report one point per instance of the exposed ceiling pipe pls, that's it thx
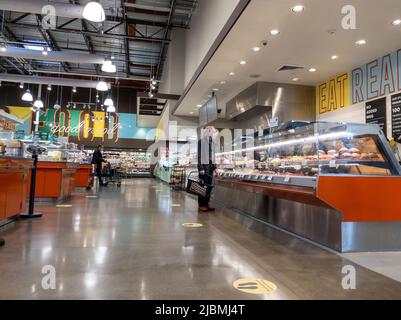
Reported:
(65, 10)
(154, 8)
(6, 77)
(104, 76)
(58, 56)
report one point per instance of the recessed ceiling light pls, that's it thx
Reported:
(274, 32)
(295, 79)
(223, 82)
(360, 42)
(312, 70)
(334, 57)
(396, 22)
(232, 73)
(199, 106)
(243, 62)
(215, 89)
(256, 49)
(298, 9)
(191, 112)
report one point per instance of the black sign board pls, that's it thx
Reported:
(396, 115)
(375, 112)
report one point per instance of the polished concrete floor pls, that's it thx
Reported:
(129, 243)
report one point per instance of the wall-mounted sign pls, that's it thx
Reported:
(334, 94)
(396, 115)
(377, 78)
(375, 113)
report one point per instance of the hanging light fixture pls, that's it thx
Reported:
(38, 104)
(109, 67)
(56, 106)
(21, 85)
(109, 102)
(74, 89)
(27, 96)
(102, 86)
(49, 87)
(111, 109)
(94, 12)
(3, 47)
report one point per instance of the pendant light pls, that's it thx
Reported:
(109, 67)
(111, 109)
(27, 96)
(108, 102)
(38, 104)
(94, 12)
(102, 86)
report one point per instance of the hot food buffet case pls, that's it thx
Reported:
(334, 183)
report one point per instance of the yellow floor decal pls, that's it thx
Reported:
(255, 286)
(176, 205)
(64, 206)
(192, 225)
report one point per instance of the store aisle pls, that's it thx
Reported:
(129, 243)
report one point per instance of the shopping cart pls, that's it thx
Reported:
(113, 176)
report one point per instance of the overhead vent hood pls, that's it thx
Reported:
(264, 100)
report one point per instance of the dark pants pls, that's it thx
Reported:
(99, 173)
(207, 178)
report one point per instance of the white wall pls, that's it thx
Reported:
(172, 81)
(208, 20)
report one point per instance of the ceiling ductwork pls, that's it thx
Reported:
(65, 10)
(57, 56)
(5, 77)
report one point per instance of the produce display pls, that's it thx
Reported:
(129, 163)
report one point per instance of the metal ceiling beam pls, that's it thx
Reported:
(87, 38)
(166, 33)
(51, 42)
(92, 33)
(126, 43)
(9, 35)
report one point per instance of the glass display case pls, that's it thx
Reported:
(299, 156)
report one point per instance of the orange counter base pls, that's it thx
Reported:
(83, 176)
(13, 186)
(345, 213)
(55, 180)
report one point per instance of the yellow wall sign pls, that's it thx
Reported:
(255, 286)
(333, 94)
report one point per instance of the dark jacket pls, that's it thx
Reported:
(97, 157)
(211, 166)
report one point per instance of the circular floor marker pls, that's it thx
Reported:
(64, 205)
(192, 225)
(254, 286)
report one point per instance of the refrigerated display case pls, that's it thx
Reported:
(334, 183)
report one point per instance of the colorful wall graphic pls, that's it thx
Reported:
(378, 78)
(25, 114)
(85, 125)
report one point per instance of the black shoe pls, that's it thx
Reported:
(2, 242)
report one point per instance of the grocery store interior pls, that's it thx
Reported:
(200, 149)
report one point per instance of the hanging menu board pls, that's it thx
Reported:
(375, 113)
(396, 115)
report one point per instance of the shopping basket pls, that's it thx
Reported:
(198, 187)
